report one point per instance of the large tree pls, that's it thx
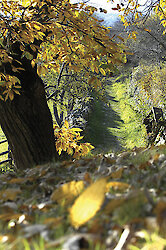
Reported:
(36, 35)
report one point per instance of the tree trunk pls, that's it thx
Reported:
(27, 121)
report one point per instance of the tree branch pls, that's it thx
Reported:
(58, 81)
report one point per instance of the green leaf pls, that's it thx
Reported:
(28, 55)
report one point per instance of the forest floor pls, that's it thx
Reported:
(111, 201)
(103, 202)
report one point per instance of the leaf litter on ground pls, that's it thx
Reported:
(111, 201)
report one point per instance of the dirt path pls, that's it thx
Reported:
(101, 119)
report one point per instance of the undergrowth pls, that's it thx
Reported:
(131, 130)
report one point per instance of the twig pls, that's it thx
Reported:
(123, 238)
(58, 81)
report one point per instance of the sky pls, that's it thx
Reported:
(103, 4)
(111, 15)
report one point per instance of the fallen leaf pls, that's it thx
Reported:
(87, 178)
(10, 216)
(151, 223)
(144, 165)
(19, 180)
(9, 194)
(112, 205)
(7, 238)
(156, 157)
(160, 211)
(88, 203)
(67, 192)
(53, 221)
(117, 174)
(120, 186)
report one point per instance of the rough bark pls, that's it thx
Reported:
(27, 124)
(27, 121)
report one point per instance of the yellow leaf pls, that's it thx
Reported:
(136, 16)
(41, 35)
(26, 3)
(33, 47)
(11, 95)
(66, 124)
(70, 151)
(76, 129)
(120, 186)
(16, 91)
(67, 192)
(22, 48)
(9, 194)
(147, 30)
(37, 27)
(76, 13)
(122, 18)
(33, 63)
(88, 203)
(41, 70)
(102, 71)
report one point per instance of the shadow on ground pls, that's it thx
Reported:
(101, 118)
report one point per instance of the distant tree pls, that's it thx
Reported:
(136, 11)
(143, 41)
(148, 87)
(144, 22)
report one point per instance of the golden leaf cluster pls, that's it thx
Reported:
(10, 86)
(68, 139)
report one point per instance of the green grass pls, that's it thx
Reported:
(3, 146)
(130, 131)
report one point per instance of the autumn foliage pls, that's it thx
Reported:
(37, 36)
(76, 37)
(105, 201)
(132, 11)
(68, 139)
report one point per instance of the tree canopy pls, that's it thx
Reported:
(76, 37)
